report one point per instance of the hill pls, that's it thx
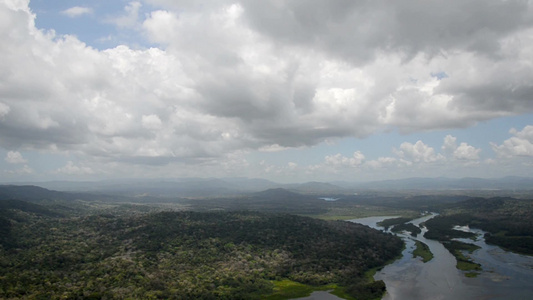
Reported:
(224, 187)
(443, 183)
(272, 200)
(36, 194)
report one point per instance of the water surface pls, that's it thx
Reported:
(320, 295)
(505, 275)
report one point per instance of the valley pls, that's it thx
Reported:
(272, 244)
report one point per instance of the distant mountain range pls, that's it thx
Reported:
(214, 187)
(443, 183)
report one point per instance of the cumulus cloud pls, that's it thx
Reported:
(77, 11)
(461, 152)
(228, 78)
(450, 144)
(521, 144)
(340, 160)
(526, 133)
(160, 25)
(25, 170)
(71, 169)
(387, 162)
(418, 153)
(14, 157)
(422, 154)
(466, 152)
(129, 18)
(420, 159)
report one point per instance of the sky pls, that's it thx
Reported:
(290, 91)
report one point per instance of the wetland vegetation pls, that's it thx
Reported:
(422, 250)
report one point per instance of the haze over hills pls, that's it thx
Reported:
(216, 187)
(444, 183)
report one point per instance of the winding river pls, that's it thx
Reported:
(505, 275)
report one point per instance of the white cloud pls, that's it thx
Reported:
(71, 169)
(418, 153)
(525, 134)
(234, 77)
(461, 152)
(17, 4)
(152, 122)
(466, 152)
(130, 18)
(387, 162)
(340, 160)
(14, 157)
(521, 144)
(25, 170)
(272, 148)
(450, 144)
(77, 11)
(292, 165)
(160, 26)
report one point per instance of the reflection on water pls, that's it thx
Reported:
(372, 221)
(505, 275)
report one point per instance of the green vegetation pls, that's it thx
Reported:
(508, 221)
(422, 250)
(393, 222)
(400, 224)
(409, 227)
(519, 244)
(184, 255)
(463, 262)
(441, 227)
(372, 290)
(288, 289)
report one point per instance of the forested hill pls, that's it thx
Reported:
(187, 255)
(32, 193)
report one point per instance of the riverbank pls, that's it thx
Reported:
(505, 275)
(422, 250)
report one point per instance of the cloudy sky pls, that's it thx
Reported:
(290, 91)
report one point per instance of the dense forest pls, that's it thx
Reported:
(54, 251)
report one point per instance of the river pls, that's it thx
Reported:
(505, 275)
